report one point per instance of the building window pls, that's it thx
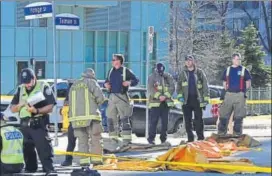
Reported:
(101, 55)
(90, 49)
(21, 22)
(239, 4)
(255, 4)
(113, 44)
(43, 22)
(124, 47)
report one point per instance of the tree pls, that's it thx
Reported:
(227, 45)
(253, 55)
(265, 35)
(222, 7)
(193, 31)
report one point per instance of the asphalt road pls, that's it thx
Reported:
(260, 158)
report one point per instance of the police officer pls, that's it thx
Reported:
(34, 120)
(161, 86)
(11, 148)
(85, 96)
(193, 94)
(236, 80)
(118, 81)
(71, 137)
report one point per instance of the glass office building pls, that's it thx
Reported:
(106, 27)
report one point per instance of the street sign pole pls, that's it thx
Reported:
(45, 10)
(149, 51)
(55, 74)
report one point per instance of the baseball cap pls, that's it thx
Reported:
(26, 75)
(189, 57)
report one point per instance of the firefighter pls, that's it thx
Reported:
(11, 148)
(35, 120)
(118, 81)
(193, 94)
(85, 96)
(236, 80)
(161, 86)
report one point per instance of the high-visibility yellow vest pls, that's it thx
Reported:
(39, 87)
(79, 102)
(12, 145)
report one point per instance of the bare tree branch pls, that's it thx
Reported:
(267, 45)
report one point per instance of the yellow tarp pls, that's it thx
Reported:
(209, 154)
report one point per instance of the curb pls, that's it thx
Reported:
(260, 126)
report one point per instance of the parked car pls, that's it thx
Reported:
(138, 119)
(62, 87)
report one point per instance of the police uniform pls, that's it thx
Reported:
(234, 100)
(193, 93)
(118, 103)
(34, 126)
(159, 84)
(85, 96)
(11, 148)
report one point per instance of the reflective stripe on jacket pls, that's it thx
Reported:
(241, 78)
(203, 93)
(12, 145)
(160, 85)
(39, 87)
(124, 73)
(85, 96)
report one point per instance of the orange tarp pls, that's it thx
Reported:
(201, 152)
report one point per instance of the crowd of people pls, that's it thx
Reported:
(85, 96)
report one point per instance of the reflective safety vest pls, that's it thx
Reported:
(241, 78)
(83, 107)
(161, 89)
(39, 87)
(12, 145)
(202, 93)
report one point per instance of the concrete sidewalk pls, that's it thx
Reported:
(251, 122)
(257, 122)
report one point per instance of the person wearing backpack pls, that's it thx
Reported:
(118, 81)
(193, 94)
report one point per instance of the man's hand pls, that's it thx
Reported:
(107, 85)
(162, 98)
(20, 105)
(126, 83)
(32, 109)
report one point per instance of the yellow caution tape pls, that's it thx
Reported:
(216, 101)
(209, 166)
